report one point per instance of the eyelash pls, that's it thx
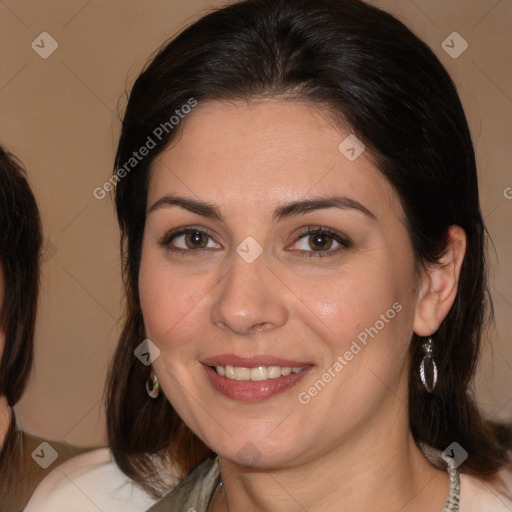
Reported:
(334, 235)
(316, 230)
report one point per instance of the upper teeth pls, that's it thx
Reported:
(257, 373)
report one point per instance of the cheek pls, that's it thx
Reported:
(172, 304)
(162, 301)
(365, 313)
(344, 303)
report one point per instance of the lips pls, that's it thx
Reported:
(253, 379)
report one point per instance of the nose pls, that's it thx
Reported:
(249, 299)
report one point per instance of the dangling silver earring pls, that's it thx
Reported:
(428, 350)
(152, 385)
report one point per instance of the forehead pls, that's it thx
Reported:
(263, 153)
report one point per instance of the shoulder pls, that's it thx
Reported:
(90, 482)
(479, 496)
(47, 454)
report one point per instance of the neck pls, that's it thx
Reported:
(5, 418)
(407, 483)
(377, 466)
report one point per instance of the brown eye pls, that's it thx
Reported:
(189, 240)
(196, 240)
(320, 242)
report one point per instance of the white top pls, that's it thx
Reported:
(92, 482)
(88, 483)
(477, 496)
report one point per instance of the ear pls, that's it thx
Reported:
(439, 285)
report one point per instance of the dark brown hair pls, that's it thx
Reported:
(374, 75)
(20, 250)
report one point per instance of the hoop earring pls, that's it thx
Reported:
(152, 385)
(428, 350)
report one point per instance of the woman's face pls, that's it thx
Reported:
(269, 254)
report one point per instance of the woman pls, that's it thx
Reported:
(304, 267)
(24, 460)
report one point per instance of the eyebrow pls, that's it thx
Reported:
(288, 210)
(301, 207)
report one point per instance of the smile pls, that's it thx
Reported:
(257, 373)
(253, 379)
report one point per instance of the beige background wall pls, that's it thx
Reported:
(59, 115)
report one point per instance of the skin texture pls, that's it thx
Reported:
(248, 159)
